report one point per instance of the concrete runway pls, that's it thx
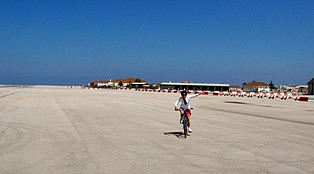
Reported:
(59, 130)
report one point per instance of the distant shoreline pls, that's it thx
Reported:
(39, 85)
(27, 86)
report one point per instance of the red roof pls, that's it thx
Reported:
(256, 84)
(132, 80)
(234, 86)
(100, 81)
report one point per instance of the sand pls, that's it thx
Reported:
(46, 129)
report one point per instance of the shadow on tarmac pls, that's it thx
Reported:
(177, 134)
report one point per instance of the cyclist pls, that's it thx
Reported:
(185, 106)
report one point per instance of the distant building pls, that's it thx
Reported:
(235, 88)
(127, 82)
(302, 89)
(290, 88)
(139, 85)
(311, 87)
(100, 83)
(256, 87)
(115, 83)
(194, 86)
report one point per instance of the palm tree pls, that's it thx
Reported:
(243, 84)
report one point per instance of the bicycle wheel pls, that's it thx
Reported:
(185, 127)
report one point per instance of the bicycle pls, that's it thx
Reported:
(185, 124)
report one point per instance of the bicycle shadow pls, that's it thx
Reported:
(179, 135)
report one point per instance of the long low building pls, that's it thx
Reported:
(116, 83)
(195, 86)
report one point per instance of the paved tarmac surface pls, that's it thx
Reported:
(60, 130)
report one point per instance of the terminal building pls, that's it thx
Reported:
(194, 86)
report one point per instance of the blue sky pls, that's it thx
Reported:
(215, 41)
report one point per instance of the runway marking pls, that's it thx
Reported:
(261, 116)
(10, 94)
(81, 140)
(243, 103)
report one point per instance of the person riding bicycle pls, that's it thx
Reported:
(185, 106)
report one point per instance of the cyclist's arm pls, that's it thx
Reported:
(176, 104)
(194, 95)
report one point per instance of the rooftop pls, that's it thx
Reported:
(256, 84)
(193, 84)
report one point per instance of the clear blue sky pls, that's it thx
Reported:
(218, 41)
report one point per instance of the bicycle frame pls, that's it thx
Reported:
(185, 124)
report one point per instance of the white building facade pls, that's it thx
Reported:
(256, 87)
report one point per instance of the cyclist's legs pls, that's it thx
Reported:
(181, 113)
(189, 119)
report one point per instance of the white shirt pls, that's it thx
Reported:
(187, 99)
